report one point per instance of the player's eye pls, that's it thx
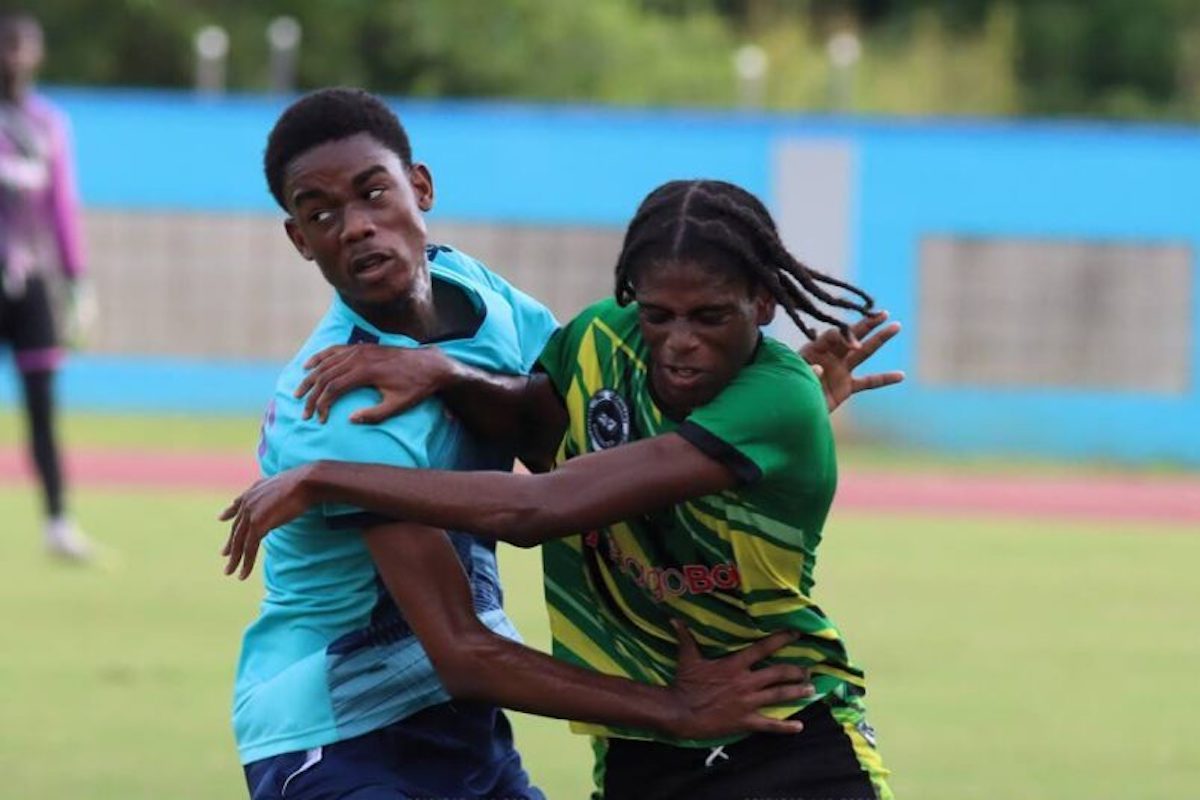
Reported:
(375, 193)
(321, 216)
(653, 316)
(713, 318)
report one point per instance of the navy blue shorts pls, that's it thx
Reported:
(451, 751)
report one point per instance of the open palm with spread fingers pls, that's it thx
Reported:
(834, 358)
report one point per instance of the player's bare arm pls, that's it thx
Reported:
(524, 510)
(519, 411)
(524, 411)
(708, 699)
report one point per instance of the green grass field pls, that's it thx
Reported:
(1007, 659)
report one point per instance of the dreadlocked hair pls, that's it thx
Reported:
(719, 224)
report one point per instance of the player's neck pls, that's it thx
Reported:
(433, 311)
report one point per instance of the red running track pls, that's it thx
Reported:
(1165, 499)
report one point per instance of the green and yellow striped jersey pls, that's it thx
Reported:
(735, 567)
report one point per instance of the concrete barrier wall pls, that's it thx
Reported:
(213, 285)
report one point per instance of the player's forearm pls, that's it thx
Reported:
(426, 579)
(520, 411)
(587, 492)
(508, 674)
(502, 507)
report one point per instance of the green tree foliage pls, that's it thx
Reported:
(1078, 57)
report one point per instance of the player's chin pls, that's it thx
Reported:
(693, 397)
(376, 293)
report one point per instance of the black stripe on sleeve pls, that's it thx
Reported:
(704, 440)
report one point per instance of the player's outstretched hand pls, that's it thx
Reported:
(724, 696)
(266, 505)
(834, 358)
(404, 377)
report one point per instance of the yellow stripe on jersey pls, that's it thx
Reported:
(589, 367)
(618, 344)
(853, 722)
(763, 565)
(702, 616)
(630, 615)
(575, 640)
(849, 677)
(575, 405)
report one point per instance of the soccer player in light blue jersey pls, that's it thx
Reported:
(381, 653)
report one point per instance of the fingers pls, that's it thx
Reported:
(249, 557)
(328, 352)
(763, 724)
(305, 385)
(782, 674)
(688, 649)
(832, 342)
(333, 382)
(870, 346)
(818, 370)
(332, 361)
(233, 547)
(765, 647)
(385, 409)
(231, 511)
(868, 323)
(779, 695)
(876, 381)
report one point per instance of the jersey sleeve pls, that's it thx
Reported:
(770, 421)
(534, 322)
(560, 356)
(397, 443)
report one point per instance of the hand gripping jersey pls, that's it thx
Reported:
(330, 657)
(735, 567)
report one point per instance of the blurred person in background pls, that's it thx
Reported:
(39, 249)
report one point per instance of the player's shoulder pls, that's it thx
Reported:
(609, 315)
(337, 326)
(777, 372)
(445, 259)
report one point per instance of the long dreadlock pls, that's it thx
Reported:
(720, 224)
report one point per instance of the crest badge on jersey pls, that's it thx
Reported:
(607, 420)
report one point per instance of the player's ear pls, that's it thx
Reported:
(764, 306)
(421, 181)
(297, 236)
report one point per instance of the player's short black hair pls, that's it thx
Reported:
(327, 115)
(722, 226)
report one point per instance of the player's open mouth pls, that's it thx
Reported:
(370, 266)
(682, 377)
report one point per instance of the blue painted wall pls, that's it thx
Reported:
(583, 165)
(1030, 182)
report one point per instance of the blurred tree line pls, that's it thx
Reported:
(1112, 58)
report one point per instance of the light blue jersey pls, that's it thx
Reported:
(330, 657)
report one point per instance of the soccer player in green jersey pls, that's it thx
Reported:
(693, 468)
